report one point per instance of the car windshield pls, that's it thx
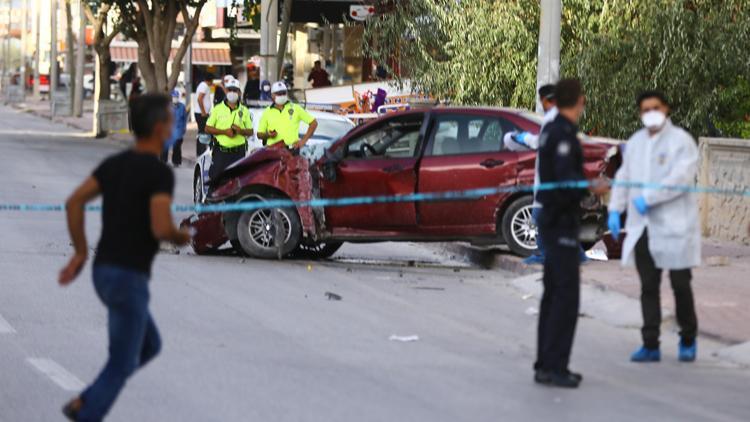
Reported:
(329, 129)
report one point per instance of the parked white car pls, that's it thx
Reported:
(331, 127)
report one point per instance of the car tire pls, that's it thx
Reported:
(518, 227)
(197, 189)
(323, 250)
(256, 232)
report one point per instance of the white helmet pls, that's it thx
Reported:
(232, 83)
(278, 87)
(228, 78)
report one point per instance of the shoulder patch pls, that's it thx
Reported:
(563, 148)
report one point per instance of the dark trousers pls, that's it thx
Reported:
(176, 153)
(201, 121)
(558, 313)
(651, 297)
(133, 337)
(220, 160)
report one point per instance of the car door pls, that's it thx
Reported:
(380, 161)
(465, 151)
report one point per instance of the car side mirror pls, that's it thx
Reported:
(329, 170)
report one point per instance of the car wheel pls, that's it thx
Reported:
(197, 190)
(269, 233)
(319, 251)
(518, 227)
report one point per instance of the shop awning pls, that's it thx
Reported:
(216, 54)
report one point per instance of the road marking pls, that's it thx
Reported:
(5, 327)
(59, 375)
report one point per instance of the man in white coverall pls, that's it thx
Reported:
(662, 224)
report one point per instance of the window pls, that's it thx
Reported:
(466, 134)
(394, 139)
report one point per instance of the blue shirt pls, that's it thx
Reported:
(180, 121)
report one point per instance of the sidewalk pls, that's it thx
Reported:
(721, 288)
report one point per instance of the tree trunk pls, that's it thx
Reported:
(103, 71)
(286, 17)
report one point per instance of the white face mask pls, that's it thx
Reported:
(233, 97)
(175, 100)
(282, 99)
(267, 88)
(653, 119)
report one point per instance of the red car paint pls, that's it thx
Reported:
(279, 173)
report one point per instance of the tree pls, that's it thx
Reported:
(97, 12)
(152, 25)
(484, 52)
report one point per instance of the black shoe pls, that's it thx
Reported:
(575, 375)
(71, 409)
(557, 379)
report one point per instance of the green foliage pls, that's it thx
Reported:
(484, 52)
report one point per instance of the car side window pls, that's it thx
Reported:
(467, 134)
(393, 139)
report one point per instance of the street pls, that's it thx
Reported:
(249, 340)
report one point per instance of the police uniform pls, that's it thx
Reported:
(285, 122)
(560, 159)
(229, 149)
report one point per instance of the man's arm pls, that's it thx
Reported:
(263, 133)
(162, 225)
(214, 131)
(74, 208)
(313, 126)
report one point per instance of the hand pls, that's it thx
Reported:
(204, 114)
(521, 137)
(229, 132)
(614, 225)
(599, 186)
(272, 134)
(237, 129)
(71, 271)
(640, 204)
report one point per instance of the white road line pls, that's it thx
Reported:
(5, 327)
(57, 374)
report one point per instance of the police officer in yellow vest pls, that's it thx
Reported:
(231, 124)
(280, 121)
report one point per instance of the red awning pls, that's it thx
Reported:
(201, 55)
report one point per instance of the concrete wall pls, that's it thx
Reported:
(725, 163)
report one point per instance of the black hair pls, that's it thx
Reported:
(547, 92)
(568, 92)
(208, 76)
(146, 111)
(645, 95)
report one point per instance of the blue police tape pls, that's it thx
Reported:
(385, 199)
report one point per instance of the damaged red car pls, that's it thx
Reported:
(420, 151)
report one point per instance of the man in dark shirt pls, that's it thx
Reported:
(252, 86)
(561, 160)
(319, 76)
(136, 189)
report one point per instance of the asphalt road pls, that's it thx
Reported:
(249, 340)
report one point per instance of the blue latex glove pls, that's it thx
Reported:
(641, 205)
(614, 224)
(521, 138)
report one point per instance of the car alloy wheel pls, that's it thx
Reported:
(523, 228)
(263, 229)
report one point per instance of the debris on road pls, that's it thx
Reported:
(309, 268)
(597, 255)
(527, 296)
(429, 288)
(333, 296)
(717, 261)
(404, 339)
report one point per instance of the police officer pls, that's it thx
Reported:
(231, 124)
(279, 124)
(561, 160)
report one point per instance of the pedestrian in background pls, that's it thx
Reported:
(561, 160)
(252, 86)
(319, 76)
(202, 108)
(174, 143)
(136, 190)
(662, 224)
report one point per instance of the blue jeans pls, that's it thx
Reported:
(133, 337)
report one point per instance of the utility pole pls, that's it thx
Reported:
(269, 28)
(548, 70)
(38, 43)
(24, 42)
(53, 49)
(80, 61)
